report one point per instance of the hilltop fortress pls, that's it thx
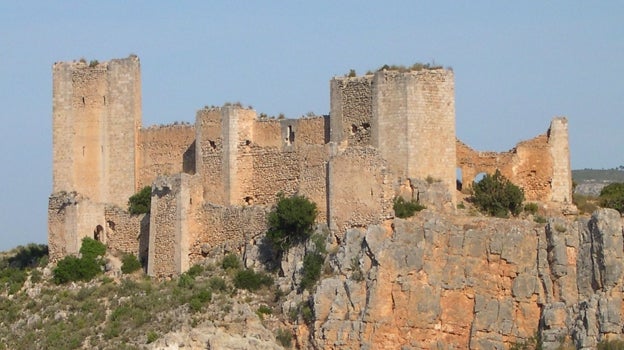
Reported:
(389, 133)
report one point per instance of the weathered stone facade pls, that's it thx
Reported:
(214, 182)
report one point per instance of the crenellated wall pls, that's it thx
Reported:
(165, 150)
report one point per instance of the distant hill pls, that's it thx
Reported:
(599, 175)
(589, 182)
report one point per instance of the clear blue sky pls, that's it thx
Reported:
(517, 64)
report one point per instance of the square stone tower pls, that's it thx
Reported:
(96, 120)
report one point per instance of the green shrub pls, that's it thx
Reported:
(71, 269)
(217, 284)
(93, 63)
(151, 337)
(85, 268)
(130, 263)
(91, 248)
(195, 270)
(291, 221)
(612, 196)
(231, 261)
(531, 208)
(307, 313)
(312, 264)
(404, 209)
(497, 196)
(13, 278)
(186, 281)
(540, 219)
(140, 202)
(284, 337)
(352, 73)
(250, 280)
(560, 228)
(199, 299)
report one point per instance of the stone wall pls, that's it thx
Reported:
(209, 160)
(174, 200)
(165, 150)
(360, 189)
(126, 233)
(71, 217)
(351, 110)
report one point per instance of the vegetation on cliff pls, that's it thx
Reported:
(140, 202)
(495, 195)
(291, 221)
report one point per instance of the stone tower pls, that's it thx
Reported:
(409, 116)
(96, 120)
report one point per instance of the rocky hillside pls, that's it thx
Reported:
(430, 281)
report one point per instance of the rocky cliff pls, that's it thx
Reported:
(437, 281)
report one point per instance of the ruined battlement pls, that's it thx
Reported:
(213, 181)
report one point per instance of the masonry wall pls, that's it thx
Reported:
(413, 123)
(360, 189)
(96, 116)
(174, 200)
(351, 109)
(71, 217)
(218, 229)
(209, 160)
(165, 150)
(127, 233)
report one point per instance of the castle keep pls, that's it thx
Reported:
(214, 181)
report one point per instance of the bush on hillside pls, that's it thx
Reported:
(140, 202)
(250, 280)
(130, 263)
(495, 195)
(404, 209)
(85, 268)
(91, 248)
(291, 221)
(612, 196)
(72, 268)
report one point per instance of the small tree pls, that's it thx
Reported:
(612, 196)
(291, 221)
(140, 202)
(497, 196)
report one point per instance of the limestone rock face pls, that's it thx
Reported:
(435, 281)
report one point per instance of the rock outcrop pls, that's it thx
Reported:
(437, 281)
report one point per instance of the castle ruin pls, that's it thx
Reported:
(213, 182)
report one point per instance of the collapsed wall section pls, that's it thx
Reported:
(71, 217)
(540, 166)
(165, 150)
